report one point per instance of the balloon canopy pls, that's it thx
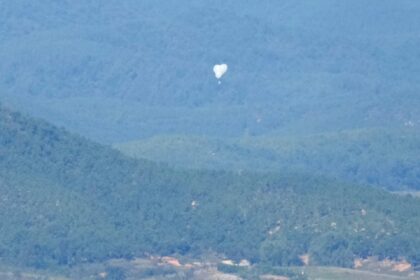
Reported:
(220, 70)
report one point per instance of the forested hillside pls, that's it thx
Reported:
(66, 200)
(120, 149)
(325, 87)
(122, 71)
(377, 157)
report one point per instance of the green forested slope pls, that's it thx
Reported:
(121, 71)
(66, 200)
(379, 157)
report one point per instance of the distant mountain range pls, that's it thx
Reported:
(119, 72)
(379, 157)
(322, 87)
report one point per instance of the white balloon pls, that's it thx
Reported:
(220, 70)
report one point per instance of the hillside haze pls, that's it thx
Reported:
(122, 71)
